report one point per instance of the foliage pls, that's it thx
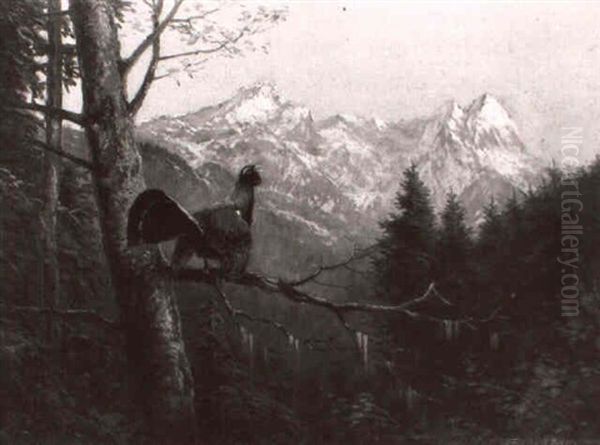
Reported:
(20, 30)
(405, 265)
(509, 371)
(454, 249)
(20, 26)
(522, 384)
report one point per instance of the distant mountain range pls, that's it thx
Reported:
(337, 177)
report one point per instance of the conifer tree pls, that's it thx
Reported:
(490, 232)
(490, 246)
(517, 246)
(18, 71)
(454, 249)
(35, 65)
(536, 243)
(588, 183)
(405, 266)
(404, 269)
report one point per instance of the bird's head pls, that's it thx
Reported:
(249, 175)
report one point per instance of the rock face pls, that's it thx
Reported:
(476, 152)
(331, 180)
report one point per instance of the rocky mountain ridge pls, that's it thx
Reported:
(337, 176)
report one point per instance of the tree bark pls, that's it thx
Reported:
(149, 315)
(51, 289)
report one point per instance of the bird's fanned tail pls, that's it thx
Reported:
(155, 217)
(221, 234)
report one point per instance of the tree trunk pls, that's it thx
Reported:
(51, 290)
(145, 295)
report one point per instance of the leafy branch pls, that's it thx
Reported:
(127, 63)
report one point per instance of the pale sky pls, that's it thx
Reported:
(399, 60)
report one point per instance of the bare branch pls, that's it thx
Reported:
(292, 293)
(71, 214)
(286, 289)
(68, 48)
(291, 290)
(149, 77)
(70, 157)
(187, 67)
(345, 324)
(357, 271)
(39, 66)
(65, 48)
(192, 18)
(442, 298)
(55, 13)
(81, 314)
(357, 255)
(331, 285)
(235, 313)
(214, 49)
(238, 313)
(76, 118)
(128, 63)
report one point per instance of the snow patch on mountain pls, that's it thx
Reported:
(487, 112)
(350, 167)
(461, 146)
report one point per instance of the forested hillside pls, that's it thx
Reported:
(494, 357)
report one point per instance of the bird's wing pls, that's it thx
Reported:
(225, 229)
(155, 217)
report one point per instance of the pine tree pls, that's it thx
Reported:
(406, 263)
(21, 40)
(19, 79)
(34, 66)
(405, 269)
(454, 249)
(516, 247)
(490, 246)
(491, 231)
(589, 186)
(536, 243)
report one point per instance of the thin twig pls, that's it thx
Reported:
(76, 118)
(70, 157)
(238, 313)
(81, 314)
(325, 268)
(149, 76)
(128, 63)
(214, 49)
(193, 18)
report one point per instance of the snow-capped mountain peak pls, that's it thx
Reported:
(451, 110)
(487, 111)
(463, 146)
(257, 103)
(347, 165)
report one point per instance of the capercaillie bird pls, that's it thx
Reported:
(222, 233)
